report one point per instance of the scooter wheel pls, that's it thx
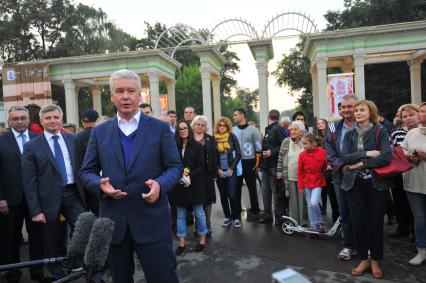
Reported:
(287, 227)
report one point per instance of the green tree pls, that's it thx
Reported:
(293, 71)
(188, 89)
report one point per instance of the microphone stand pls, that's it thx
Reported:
(31, 263)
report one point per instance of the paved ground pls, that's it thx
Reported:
(253, 252)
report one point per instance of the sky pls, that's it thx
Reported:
(130, 16)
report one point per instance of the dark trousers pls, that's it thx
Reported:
(228, 196)
(54, 233)
(345, 219)
(367, 206)
(157, 260)
(10, 236)
(328, 191)
(403, 214)
(250, 177)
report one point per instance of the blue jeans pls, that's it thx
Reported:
(199, 215)
(345, 220)
(418, 208)
(313, 197)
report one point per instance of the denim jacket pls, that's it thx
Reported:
(352, 155)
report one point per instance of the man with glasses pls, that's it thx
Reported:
(13, 209)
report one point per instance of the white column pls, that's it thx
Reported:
(416, 81)
(323, 101)
(359, 76)
(216, 100)
(71, 102)
(315, 100)
(97, 101)
(154, 93)
(207, 100)
(262, 72)
(171, 97)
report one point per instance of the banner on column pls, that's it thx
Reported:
(339, 85)
(145, 96)
(26, 84)
(164, 104)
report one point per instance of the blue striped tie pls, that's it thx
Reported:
(60, 160)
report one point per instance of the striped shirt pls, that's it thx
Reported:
(398, 136)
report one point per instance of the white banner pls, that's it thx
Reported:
(339, 85)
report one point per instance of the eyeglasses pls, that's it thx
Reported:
(221, 125)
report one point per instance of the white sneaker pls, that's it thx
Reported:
(346, 254)
(226, 222)
(237, 223)
(419, 258)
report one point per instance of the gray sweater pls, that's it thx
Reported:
(250, 141)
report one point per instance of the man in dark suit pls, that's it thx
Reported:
(88, 121)
(139, 164)
(50, 182)
(13, 209)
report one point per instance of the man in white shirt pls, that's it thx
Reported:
(50, 181)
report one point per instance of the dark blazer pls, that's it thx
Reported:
(332, 148)
(274, 136)
(82, 140)
(196, 192)
(211, 167)
(154, 156)
(11, 188)
(42, 180)
(352, 155)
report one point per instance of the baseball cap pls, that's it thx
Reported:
(90, 115)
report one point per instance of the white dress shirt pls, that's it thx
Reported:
(65, 153)
(128, 127)
(19, 139)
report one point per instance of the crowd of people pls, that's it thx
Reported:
(153, 177)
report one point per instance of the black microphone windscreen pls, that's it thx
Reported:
(83, 227)
(98, 247)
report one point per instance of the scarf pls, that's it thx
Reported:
(361, 132)
(222, 142)
(296, 140)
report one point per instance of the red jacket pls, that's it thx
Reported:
(310, 168)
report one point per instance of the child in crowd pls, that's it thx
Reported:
(312, 162)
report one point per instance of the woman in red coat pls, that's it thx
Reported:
(311, 163)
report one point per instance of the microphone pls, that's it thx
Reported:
(75, 249)
(83, 227)
(96, 252)
(97, 249)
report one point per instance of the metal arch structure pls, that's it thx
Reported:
(229, 28)
(184, 36)
(289, 21)
(176, 36)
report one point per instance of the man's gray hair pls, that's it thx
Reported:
(298, 124)
(124, 74)
(349, 97)
(18, 108)
(285, 119)
(202, 118)
(50, 108)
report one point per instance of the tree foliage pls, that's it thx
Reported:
(293, 71)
